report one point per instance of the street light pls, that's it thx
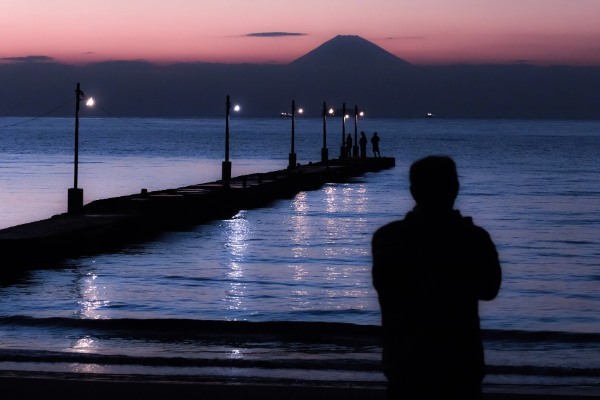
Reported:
(356, 115)
(226, 166)
(292, 157)
(75, 194)
(343, 151)
(324, 150)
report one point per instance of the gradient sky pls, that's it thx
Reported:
(277, 31)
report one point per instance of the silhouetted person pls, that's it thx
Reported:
(430, 270)
(349, 145)
(363, 145)
(375, 143)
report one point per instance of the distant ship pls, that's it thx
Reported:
(430, 115)
(285, 114)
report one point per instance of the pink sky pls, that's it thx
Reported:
(419, 31)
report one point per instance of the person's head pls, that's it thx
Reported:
(434, 182)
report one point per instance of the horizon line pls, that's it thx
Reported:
(47, 60)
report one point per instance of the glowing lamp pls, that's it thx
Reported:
(356, 115)
(75, 194)
(292, 156)
(226, 165)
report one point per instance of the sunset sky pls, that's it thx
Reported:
(270, 31)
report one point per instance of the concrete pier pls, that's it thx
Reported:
(104, 225)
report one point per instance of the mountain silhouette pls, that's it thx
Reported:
(348, 50)
(345, 69)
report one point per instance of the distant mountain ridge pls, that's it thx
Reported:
(345, 69)
(348, 50)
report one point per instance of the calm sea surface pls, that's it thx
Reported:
(534, 185)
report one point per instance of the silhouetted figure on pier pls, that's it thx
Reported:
(375, 143)
(430, 270)
(349, 146)
(363, 145)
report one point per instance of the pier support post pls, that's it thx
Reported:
(75, 194)
(355, 147)
(343, 150)
(324, 150)
(292, 157)
(75, 201)
(226, 166)
(292, 160)
(226, 170)
(324, 155)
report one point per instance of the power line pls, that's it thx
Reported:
(35, 118)
(128, 120)
(108, 112)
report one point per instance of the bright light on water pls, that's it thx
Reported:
(532, 184)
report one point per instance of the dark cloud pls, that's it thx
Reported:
(406, 38)
(274, 34)
(28, 59)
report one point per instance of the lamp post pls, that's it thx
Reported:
(343, 151)
(292, 157)
(356, 115)
(75, 194)
(324, 150)
(226, 165)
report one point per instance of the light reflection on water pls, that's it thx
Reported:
(531, 184)
(84, 345)
(93, 298)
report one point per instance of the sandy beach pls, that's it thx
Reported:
(17, 385)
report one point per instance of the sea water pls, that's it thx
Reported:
(534, 185)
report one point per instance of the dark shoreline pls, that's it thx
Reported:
(96, 386)
(345, 348)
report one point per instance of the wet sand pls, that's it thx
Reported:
(64, 387)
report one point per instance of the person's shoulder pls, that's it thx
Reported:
(475, 230)
(390, 229)
(393, 225)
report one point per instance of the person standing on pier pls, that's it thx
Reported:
(363, 145)
(375, 143)
(430, 271)
(349, 146)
